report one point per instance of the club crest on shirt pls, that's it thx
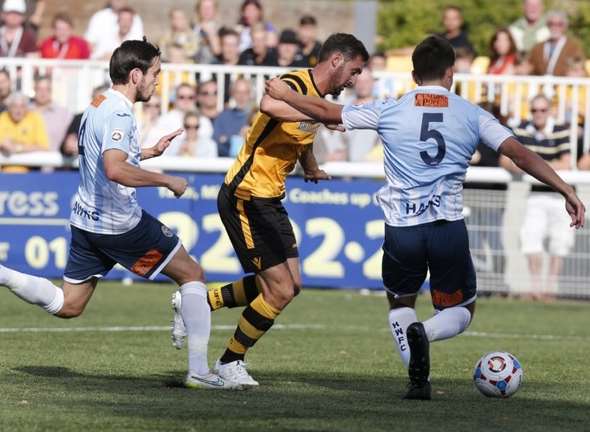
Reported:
(117, 135)
(167, 231)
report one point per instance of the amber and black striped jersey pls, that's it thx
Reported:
(272, 148)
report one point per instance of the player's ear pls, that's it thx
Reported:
(135, 76)
(448, 78)
(416, 78)
(337, 59)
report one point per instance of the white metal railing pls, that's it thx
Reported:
(337, 169)
(74, 80)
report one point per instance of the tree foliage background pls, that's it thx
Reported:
(404, 23)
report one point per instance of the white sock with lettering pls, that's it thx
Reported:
(196, 315)
(399, 320)
(447, 323)
(33, 289)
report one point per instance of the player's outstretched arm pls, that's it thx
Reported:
(280, 110)
(315, 107)
(534, 165)
(118, 170)
(160, 146)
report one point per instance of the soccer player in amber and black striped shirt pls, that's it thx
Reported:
(250, 205)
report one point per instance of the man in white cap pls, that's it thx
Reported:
(16, 40)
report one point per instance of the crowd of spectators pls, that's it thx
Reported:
(210, 132)
(536, 43)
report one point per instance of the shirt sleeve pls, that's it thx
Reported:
(117, 132)
(491, 132)
(362, 116)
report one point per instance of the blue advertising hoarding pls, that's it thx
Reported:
(337, 223)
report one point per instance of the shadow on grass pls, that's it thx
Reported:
(308, 401)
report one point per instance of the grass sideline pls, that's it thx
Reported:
(332, 367)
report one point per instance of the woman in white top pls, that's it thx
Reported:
(192, 145)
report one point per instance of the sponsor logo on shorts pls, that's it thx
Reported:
(442, 299)
(167, 231)
(147, 262)
(117, 135)
(257, 262)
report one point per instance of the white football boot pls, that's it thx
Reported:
(236, 372)
(178, 329)
(209, 381)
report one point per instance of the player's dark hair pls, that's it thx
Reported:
(432, 57)
(132, 54)
(344, 43)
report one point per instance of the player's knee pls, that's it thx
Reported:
(69, 311)
(282, 297)
(192, 272)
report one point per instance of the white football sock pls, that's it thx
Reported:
(399, 320)
(196, 315)
(447, 323)
(33, 289)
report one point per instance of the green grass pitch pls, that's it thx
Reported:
(329, 366)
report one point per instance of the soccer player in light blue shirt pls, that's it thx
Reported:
(108, 225)
(429, 136)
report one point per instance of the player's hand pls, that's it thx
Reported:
(316, 175)
(164, 143)
(336, 127)
(277, 89)
(576, 210)
(177, 185)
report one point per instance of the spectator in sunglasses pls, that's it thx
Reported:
(193, 145)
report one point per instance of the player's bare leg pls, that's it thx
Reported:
(76, 297)
(196, 315)
(279, 286)
(68, 301)
(236, 294)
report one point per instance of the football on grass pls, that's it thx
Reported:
(498, 374)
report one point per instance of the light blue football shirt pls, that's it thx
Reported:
(100, 205)
(429, 136)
